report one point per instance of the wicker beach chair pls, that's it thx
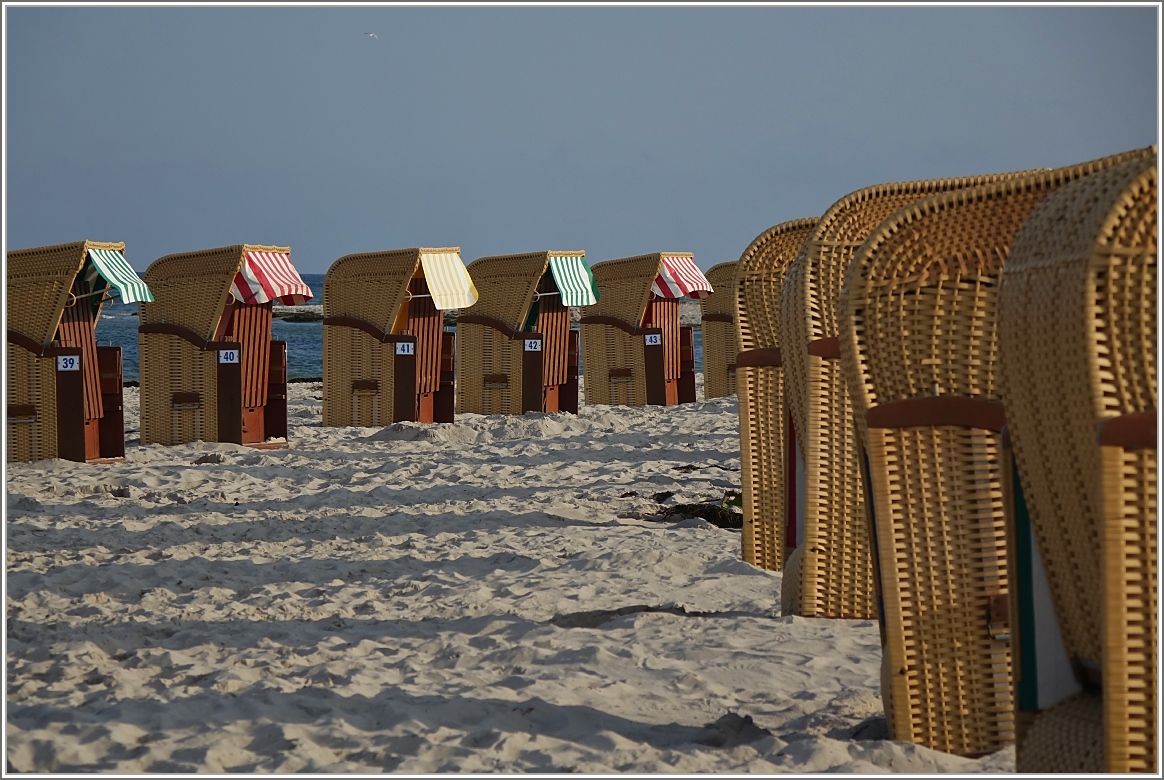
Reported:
(386, 355)
(719, 332)
(918, 342)
(518, 352)
(1078, 343)
(65, 392)
(830, 573)
(209, 368)
(634, 350)
(767, 454)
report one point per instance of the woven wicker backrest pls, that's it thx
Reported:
(763, 413)
(507, 283)
(624, 287)
(1078, 342)
(370, 286)
(918, 326)
(760, 279)
(1069, 362)
(190, 289)
(837, 565)
(722, 301)
(38, 284)
(919, 303)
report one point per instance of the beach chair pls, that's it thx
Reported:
(634, 350)
(210, 370)
(1078, 342)
(830, 572)
(64, 391)
(386, 355)
(518, 352)
(767, 454)
(717, 321)
(918, 341)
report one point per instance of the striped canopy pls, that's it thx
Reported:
(574, 280)
(269, 276)
(111, 266)
(448, 281)
(679, 276)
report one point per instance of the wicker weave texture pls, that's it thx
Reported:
(624, 287)
(373, 287)
(760, 391)
(606, 348)
(351, 356)
(191, 290)
(1066, 739)
(942, 543)
(1131, 595)
(487, 354)
(506, 285)
(38, 282)
(1078, 343)
(838, 563)
(719, 335)
(919, 320)
(172, 365)
(32, 380)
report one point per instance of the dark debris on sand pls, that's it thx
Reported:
(711, 511)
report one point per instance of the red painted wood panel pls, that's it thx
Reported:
(554, 325)
(425, 322)
(251, 328)
(663, 313)
(76, 330)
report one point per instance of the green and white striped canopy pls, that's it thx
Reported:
(110, 264)
(574, 279)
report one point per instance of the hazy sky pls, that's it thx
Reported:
(618, 130)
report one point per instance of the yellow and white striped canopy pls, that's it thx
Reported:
(448, 281)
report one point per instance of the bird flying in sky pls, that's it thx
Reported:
(374, 35)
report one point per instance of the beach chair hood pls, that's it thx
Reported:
(628, 283)
(510, 284)
(372, 286)
(40, 280)
(191, 289)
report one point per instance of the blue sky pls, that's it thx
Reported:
(616, 130)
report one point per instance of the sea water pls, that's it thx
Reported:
(118, 327)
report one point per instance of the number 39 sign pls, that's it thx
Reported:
(68, 363)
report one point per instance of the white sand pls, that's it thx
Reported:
(412, 599)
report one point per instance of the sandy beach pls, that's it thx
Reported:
(502, 594)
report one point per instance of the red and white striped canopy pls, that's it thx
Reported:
(679, 276)
(269, 276)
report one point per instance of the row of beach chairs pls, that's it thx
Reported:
(947, 400)
(210, 369)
